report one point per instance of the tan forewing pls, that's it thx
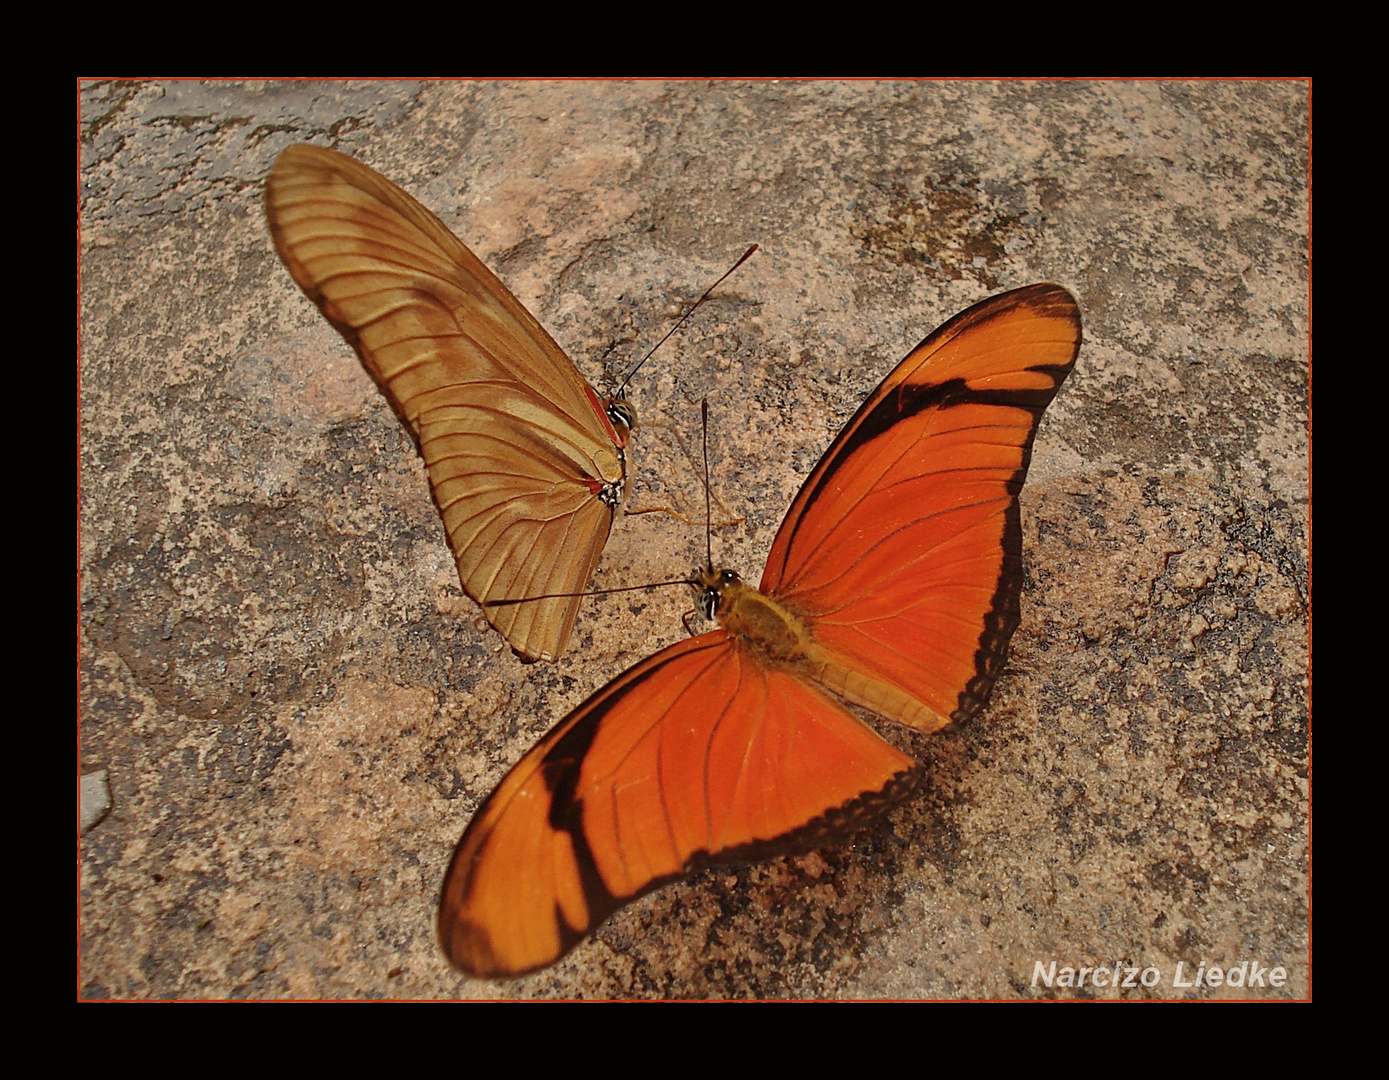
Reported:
(515, 442)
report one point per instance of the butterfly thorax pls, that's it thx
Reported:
(752, 616)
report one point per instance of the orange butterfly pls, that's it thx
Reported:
(526, 465)
(893, 582)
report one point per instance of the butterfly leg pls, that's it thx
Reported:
(682, 517)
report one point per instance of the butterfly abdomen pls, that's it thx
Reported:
(873, 694)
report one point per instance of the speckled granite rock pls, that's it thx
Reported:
(299, 711)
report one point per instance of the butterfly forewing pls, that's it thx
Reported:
(699, 755)
(516, 444)
(903, 548)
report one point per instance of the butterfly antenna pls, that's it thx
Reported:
(681, 321)
(569, 595)
(708, 518)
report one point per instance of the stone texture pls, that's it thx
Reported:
(299, 712)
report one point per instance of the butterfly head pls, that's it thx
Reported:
(714, 590)
(622, 417)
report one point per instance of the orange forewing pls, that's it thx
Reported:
(904, 547)
(899, 563)
(524, 464)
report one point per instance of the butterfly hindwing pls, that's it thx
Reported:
(699, 755)
(903, 548)
(517, 446)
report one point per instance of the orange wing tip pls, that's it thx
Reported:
(475, 950)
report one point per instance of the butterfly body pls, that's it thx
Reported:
(893, 583)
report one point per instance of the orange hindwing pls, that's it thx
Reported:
(698, 755)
